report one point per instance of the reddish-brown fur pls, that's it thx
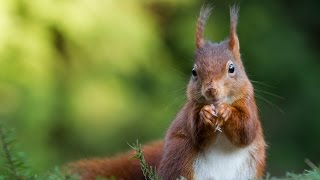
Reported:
(122, 166)
(193, 129)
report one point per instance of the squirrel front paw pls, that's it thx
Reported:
(209, 117)
(224, 111)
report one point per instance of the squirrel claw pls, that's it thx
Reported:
(224, 111)
(218, 128)
(209, 116)
(214, 113)
(205, 119)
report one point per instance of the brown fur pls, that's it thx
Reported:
(122, 166)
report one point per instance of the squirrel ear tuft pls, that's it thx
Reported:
(234, 45)
(204, 15)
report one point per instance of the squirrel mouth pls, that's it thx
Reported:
(212, 100)
(205, 100)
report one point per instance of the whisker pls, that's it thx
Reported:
(181, 74)
(179, 90)
(271, 94)
(169, 105)
(198, 95)
(182, 86)
(270, 103)
(262, 83)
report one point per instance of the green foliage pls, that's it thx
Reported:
(55, 174)
(307, 175)
(13, 164)
(149, 172)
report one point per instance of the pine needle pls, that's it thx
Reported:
(149, 172)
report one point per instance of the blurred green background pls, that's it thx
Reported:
(81, 78)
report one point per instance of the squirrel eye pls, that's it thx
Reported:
(231, 68)
(194, 72)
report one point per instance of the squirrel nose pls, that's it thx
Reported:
(212, 91)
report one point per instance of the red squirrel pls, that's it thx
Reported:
(216, 135)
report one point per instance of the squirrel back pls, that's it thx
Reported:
(217, 134)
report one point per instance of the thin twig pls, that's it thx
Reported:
(311, 164)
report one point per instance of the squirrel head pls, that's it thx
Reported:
(218, 75)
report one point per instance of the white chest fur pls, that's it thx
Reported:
(222, 160)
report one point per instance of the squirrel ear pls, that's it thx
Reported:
(204, 15)
(234, 45)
